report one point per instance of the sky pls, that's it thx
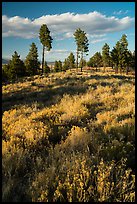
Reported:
(103, 22)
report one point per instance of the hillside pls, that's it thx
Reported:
(69, 137)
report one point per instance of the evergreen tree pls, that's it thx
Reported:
(46, 40)
(32, 64)
(65, 65)
(115, 53)
(60, 65)
(6, 73)
(105, 55)
(82, 44)
(82, 63)
(97, 58)
(133, 61)
(123, 53)
(56, 66)
(71, 60)
(91, 62)
(16, 67)
(121, 56)
(127, 61)
(77, 39)
(46, 68)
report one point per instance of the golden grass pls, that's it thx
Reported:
(66, 134)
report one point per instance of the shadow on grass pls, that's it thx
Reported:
(46, 97)
(123, 77)
(50, 94)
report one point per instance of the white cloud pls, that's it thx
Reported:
(98, 40)
(18, 26)
(64, 25)
(120, 12)
(59, 54)
(60, 51)
(96, 36)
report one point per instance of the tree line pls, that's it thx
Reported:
(119, 58)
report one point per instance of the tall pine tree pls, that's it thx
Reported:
(46, 41)
(115, 54)
(105, 55)
(124, 54)
(82, 44)
(121, 56)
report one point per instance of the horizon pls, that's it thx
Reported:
(103, 23)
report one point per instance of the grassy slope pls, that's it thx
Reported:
(69, 137)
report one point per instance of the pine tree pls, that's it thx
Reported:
(32, 64)
(56, 66)
(105, 55)
(133, 61)
(71, 60)
(82, 63)
(91, 62)
(124, 54)
(127, 61)
(65, 65)
(97, 60)
(115, 54)
(82, 44)
(6, 73)
(46, 41)
(46, 68)
(60, 65)
(77, 39)
(16, 67)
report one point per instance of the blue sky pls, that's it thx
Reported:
(104, 22)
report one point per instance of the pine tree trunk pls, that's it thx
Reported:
(43, 59)
(82, 61)
(116, 69)
(104, 66)
(77, 61)
(120, 69)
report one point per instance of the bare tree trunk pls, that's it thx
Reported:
(116, 69)
(82, 61)
(127, 70)
(43, 59)
(77, 61)
(120, 69)
(104, 67)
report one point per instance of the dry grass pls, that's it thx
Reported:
(69, 137)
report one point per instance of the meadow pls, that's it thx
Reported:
(69, 137)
